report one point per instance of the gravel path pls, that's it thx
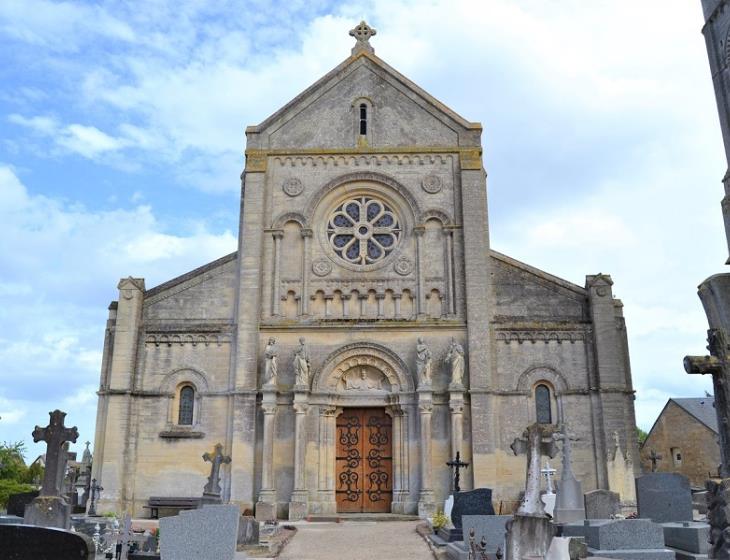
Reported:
(357, 540)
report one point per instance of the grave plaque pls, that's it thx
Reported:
(209, 532)
(28, 542)
(601, 504)
(473, 502)
(664, 497)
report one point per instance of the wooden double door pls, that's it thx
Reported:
(364, 461)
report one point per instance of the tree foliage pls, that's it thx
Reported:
(641, 435)
(15, 475)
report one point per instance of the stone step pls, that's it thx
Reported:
(342, 517)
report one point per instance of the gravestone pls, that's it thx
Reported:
(601, 504)
(49, 509)
(28, 542)
(248, 530)
(17, 502)
(209, 532)
(473, 502)
(530, 531)
(639, 539)
(490, 527)
(688, 539)
(664, 497)
(212, 490)
(569, 506)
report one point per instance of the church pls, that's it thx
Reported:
(363, 333)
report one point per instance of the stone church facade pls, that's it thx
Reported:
(364, 331)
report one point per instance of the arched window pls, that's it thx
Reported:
(542, 404)
(187, 402)
(363, 119)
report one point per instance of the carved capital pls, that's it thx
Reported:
(269, 408)
(301, 408)
(327, 411)
(306, 232)
(277, 233)
(425, 408)
(456, 408)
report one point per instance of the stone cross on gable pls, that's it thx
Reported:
(216, 459)
(537, 440)
(362, 33)
(55, 435)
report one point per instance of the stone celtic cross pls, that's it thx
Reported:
(216, 459)
(362, 33)
(456, 465)
(537, 440)
(55, 435)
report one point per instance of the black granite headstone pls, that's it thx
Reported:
(28, 542)
(473, 502)
(17, 502)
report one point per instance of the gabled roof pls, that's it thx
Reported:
(701, 408)
(338, 73)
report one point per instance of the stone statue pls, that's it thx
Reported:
(301, 364)
(455, 357)
(271, 356)
(423, 363)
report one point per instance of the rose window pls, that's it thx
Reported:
(363, 230)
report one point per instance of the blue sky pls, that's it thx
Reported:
(122, 132)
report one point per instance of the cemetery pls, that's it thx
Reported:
(224, 433)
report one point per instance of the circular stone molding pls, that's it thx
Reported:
(321, 267)
(403, 266)
(293, 186)
(431, 183)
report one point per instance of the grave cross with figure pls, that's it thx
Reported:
(456, 465)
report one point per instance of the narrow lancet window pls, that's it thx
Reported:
(542, 404)
(363, 119)
(187, 398)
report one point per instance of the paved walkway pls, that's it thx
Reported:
(357, 540)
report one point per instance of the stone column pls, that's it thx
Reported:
(450, 288)
(380, 298)
(363, 299)
(276, 276)
(327, 434)
(425, 499)
(266, 505)
(396, 301)
(420, 256)
(456, 405)
(299, 497)
(345, 305)
(400, 461)
(306, 236)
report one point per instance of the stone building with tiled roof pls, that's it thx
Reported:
(684, 438)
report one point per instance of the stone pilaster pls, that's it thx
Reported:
(266, 505)
(299, 497)
(327, 448)
(426, 506)
(420, 289)
(276, 276)
(456, 406)
(307, 238)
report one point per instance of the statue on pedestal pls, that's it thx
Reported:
(271, 357)
(301, 364)
(455, 358)
(423, 363)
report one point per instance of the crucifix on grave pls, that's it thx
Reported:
(212, 490)
(716, 364)
(456, 465)
(654, 457)
(55, 435)
(536, 441)
(94, 491)
(49, 509)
